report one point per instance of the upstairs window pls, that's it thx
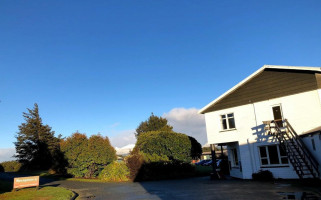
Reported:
(227, 121)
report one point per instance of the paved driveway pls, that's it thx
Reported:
(193, 188)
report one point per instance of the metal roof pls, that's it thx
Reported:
(280, 67)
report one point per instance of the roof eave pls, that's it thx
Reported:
(315, 69)
(203, 110)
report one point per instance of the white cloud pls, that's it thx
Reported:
(6, 154)
(188, 121)
(123, 138)
(183, 120)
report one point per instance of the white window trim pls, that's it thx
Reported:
(227, 122)
(268, 157)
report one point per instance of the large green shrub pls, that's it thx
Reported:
(175, 146)
(115, 172)
(11, 166)
(87, 157)
(1, 168)
(169, 145)
(144, 166)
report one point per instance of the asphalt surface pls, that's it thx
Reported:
(193, 188)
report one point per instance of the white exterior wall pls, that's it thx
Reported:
(317, 152)
(302, 110)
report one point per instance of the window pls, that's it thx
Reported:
(273, 155)
(235, 160)
(227, 121)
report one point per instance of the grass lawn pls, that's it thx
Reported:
(93, 180)
(45, 193)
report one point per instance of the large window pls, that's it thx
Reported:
(227, 121)
(273, 155)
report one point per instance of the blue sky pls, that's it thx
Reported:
(104, 66)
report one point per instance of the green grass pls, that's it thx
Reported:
(91, 180)
(46, 193)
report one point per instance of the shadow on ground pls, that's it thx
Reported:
(190, 188)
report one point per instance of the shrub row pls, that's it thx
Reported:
(144, 167)
(115, 172)
(10, 166)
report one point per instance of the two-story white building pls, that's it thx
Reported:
(270, 121)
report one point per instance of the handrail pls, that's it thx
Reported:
(293, 157)
(313, 161)
(304, 152)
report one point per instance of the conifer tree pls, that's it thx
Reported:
(154, 123)
(36, 143)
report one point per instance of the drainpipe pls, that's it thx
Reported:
(249, 144)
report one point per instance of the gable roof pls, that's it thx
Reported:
(255, 74)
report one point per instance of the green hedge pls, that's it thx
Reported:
(115, 172)
(145, 167)
(175, 146)
(11, 166)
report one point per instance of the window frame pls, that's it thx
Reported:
(267, 157)
(226, 118)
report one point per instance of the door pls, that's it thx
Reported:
(277, 115)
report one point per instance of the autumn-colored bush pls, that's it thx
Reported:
(115, 171)
(87, 157)
(134, 162)
(11, 166)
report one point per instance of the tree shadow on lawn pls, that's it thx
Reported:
(6, 180)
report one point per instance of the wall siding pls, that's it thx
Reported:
(268, 85)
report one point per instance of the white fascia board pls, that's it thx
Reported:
(303, 68)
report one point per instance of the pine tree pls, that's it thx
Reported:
(36, 143)
(154, 123)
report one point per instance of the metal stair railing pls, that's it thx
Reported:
(295, 148)
(307, 154)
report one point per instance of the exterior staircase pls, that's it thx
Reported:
(303, 162)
